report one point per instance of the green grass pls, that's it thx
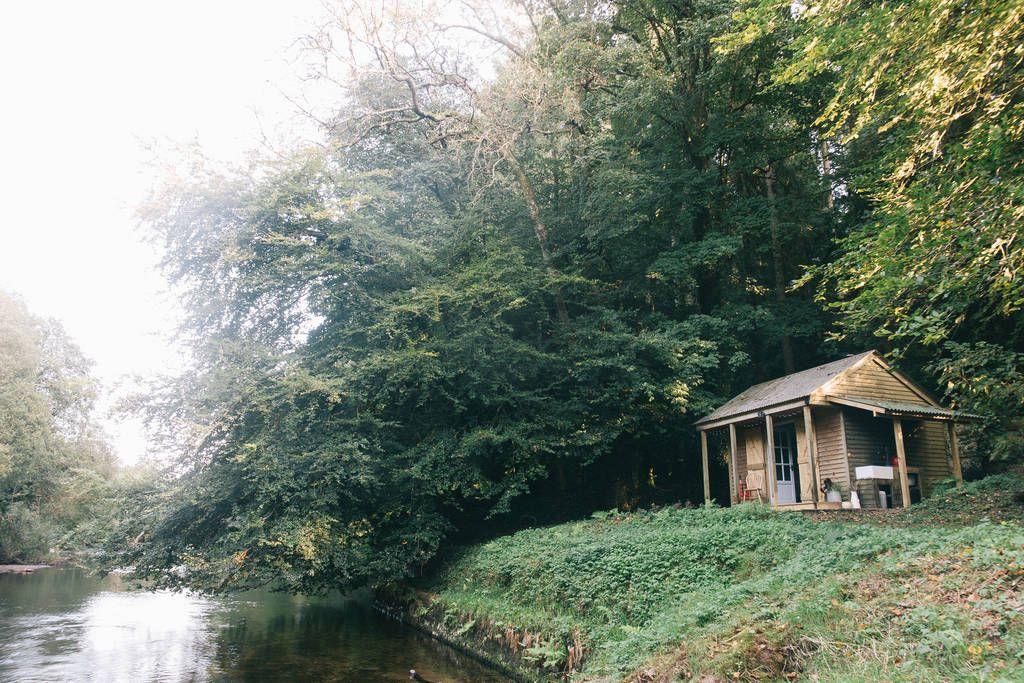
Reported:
(745, 593)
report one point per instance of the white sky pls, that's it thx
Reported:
(84, 85)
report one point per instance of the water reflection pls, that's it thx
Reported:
(62, 625)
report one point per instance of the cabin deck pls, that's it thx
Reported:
(822, 505)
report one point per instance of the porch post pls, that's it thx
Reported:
(901, 457)
(954, 453)
(769, 459)
(704, 465)
(733, 483)
(812, 452)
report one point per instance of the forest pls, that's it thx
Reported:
(534, 244)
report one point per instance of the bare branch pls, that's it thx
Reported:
(512, 47)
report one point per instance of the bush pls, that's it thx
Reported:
(25, 536)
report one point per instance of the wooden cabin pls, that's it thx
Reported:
(856, 424)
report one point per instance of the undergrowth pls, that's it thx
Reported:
(745, 593)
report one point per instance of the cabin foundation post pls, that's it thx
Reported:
(954, 453)
(704, 465)
(812, 453)
(733, 483)
(769, 459)
(901, 460)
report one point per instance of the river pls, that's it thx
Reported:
(64, 625)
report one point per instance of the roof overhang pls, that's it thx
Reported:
(919, 412)
(752, 414)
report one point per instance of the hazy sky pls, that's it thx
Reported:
(86, 87)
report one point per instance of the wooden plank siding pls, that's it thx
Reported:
(847, 438)
(828, 428)
(870, 442)
(750, 456)
(803, 460)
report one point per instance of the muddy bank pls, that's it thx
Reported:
(21, 568)
(512, 651)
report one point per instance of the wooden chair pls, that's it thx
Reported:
(752, 486)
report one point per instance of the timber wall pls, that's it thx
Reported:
(828, 428)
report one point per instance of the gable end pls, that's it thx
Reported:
(873, 378)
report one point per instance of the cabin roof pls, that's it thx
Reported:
(788, 388)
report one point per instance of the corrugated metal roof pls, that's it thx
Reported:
(896, 407)
(789, 388)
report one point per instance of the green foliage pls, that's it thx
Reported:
(25, 536)
(53, 462)
(633, 581)
(391, 354)
(624, 569)
(988, 379)
(929, 100)
(748, 590)
(996, 498)
(920, 104)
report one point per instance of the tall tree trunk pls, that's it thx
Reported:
(636, 477)
(708, 281)
(826, 171)
(777, 265)
(539, 229)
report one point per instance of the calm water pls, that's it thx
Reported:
(62, 625)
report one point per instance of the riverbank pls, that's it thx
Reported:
(936, 592)
(495, 651)
(21, 568)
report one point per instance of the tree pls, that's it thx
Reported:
(50, 447)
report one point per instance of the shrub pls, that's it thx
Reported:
(25, 536)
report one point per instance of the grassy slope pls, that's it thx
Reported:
(933, 593)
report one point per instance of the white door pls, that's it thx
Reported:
(785, 463)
